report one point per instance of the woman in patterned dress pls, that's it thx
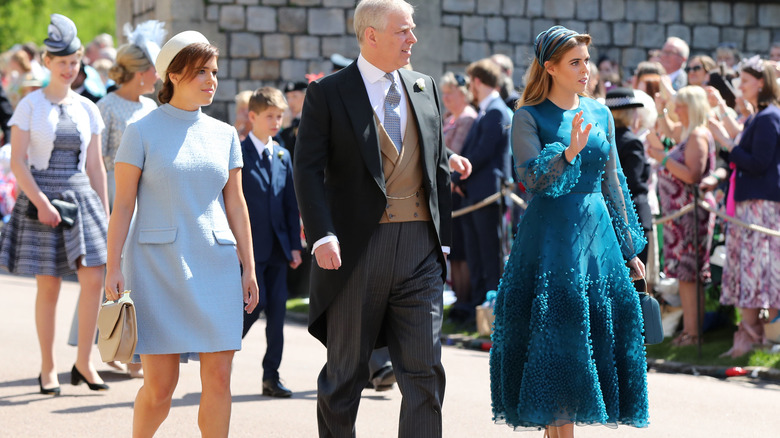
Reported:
(55, 154)
(679, 175)
(135, 75)
(751, 275)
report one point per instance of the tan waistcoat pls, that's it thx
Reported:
(406, 199)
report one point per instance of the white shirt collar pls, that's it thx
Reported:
(673, 75)
(370, 72)
(377, 87)
(483, 104)
(260, 145)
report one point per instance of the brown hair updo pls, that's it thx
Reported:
(186, 63)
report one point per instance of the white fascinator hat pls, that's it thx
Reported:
(174, 46)
(148, 36)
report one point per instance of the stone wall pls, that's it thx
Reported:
(267, 42)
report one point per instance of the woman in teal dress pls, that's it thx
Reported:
(567, 343)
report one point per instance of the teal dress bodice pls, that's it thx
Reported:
(567, 342)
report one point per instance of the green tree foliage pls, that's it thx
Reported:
(27, 20)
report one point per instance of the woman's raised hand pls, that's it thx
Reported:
(579, 137)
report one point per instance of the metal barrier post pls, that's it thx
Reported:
(698, 279)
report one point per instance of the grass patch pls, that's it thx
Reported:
(298, 305)
(715, 343)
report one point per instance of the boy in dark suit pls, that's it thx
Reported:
(276, 230)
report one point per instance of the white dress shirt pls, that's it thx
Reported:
(377, 87)
(483, 104)
(260, 145)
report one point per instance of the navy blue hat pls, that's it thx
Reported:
(295, 86)
(62, 40)
(622, 98)
(339, 61)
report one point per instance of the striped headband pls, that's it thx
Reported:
(547, 42)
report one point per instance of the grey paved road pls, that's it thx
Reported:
(681, 405)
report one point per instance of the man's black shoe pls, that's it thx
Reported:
(383, 379)
(274, 388)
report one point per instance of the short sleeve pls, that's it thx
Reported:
(105, 114)
(236, 159)
(131, 149)
(96, 124)
(22, 116)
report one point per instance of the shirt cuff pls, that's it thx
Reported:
(323, 241)
(445, 250)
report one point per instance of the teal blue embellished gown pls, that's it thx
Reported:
(567, 340)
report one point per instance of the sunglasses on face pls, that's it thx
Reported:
(693, 68)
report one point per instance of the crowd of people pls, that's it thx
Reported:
(205, 215)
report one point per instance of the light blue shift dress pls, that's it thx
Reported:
(180, 256)
(567, 341)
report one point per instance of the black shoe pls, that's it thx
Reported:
(383, 379)
(274, 388)
(48, 391)
(457, 317)
(76, 378)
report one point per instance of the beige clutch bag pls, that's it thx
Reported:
(117, 334)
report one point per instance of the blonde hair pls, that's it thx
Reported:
(695, 99)
(266, 97)
(538, 81)
(242, 99)
(79, 52)
(450, 80)
(374, 13)
(624, 117)
(23, 59)
(130, 59)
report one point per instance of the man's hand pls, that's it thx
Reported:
(328, 255)
(296, 258)
(461, 165)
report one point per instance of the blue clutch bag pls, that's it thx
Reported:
(651, 314)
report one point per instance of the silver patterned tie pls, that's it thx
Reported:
(392, 121)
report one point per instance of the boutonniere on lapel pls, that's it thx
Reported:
(419, 85)
(280, 154)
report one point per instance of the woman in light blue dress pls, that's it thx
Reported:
(183, 169)
(568, 346)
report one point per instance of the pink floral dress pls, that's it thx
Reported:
(680, 260)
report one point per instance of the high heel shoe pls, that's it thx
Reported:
(76, 378)
(48, 391)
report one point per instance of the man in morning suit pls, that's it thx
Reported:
(487, 147)
(372, 179)
(276, 229)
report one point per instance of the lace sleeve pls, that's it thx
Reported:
(542, 169)
(621, 209)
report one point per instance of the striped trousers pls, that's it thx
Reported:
(396, 290)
